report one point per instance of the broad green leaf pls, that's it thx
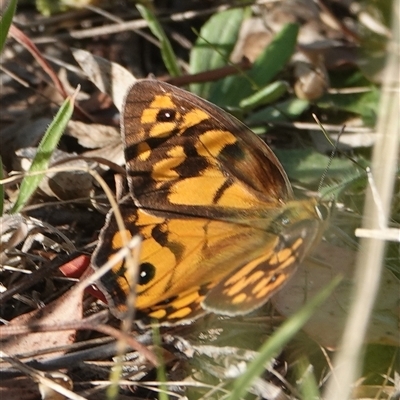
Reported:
(6, 21)
(364, 104)
(216, 41)
(167, 53)
(285, 111)
(231, 90)
(308, 166)
(266, 95)
(45, 149)
(348, 78)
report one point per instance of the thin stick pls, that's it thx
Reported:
(370, 257)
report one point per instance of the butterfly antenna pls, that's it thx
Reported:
(333, 152)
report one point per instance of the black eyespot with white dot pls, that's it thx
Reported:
(166, 115)
(147, 273)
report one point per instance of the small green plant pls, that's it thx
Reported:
(6, 21)
(45, 149)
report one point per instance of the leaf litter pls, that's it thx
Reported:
(28, 247)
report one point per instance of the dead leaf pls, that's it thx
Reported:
(49, 393)
(19, 388)
(106, 140)
(63, 184)
(109, 77)
(312, 79)
(66, 308)
(93, 136)
(76, 267)
(253, 38)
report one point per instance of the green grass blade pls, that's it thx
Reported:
(306, 380)
(286, 110)
(167, 53)
(5, 22)
(266, 95)
(364, 104)
(161, 373)
(276, 342)
(45, 149)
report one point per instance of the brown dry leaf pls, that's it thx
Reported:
(26, 231)
(49, 393)
(319, 35)
(19, 388)
(14, 229)
(65, 309)
(312, 79)
(326, 326)
(106, 140)
(64, 184)
(96, 102)
(373, 392)
(109, 77)
(53, 385)
(93, 136)
(253, 38)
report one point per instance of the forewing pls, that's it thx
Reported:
(188, 156)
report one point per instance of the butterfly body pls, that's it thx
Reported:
(213, 205)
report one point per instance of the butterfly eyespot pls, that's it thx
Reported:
(146, 274)
(166, 115)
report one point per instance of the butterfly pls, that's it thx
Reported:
(220, 227)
